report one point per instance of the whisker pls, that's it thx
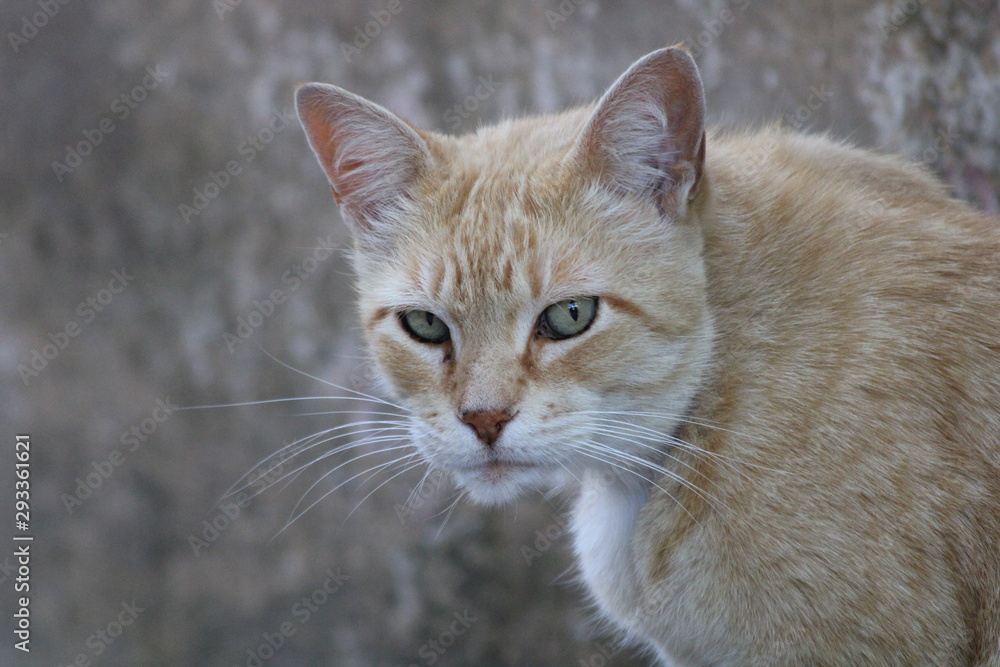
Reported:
(684, 419)
(620, 433)
(625, 456)
(566, 468)
(242, 404)
(302, 447)
(234, 488)
(295, 517)
(418, 489)
(367, 440)
(328, 383)
(341, 412)
(406, 469)
(347, 462)
(618, 429)
(451, 508)
(677, 441)
(592, 455)
(619, 436)
(295, 474)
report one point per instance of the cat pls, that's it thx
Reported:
(766, 364)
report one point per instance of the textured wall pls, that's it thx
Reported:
(152, 140)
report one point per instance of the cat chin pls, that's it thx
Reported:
(499, 486)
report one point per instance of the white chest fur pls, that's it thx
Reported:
(603, 524)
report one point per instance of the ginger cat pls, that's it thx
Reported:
(767, 365)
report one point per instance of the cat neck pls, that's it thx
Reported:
(603, 525)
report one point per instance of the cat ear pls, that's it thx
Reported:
(368, 153)
(647, 133)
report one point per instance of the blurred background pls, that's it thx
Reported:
(167, 239)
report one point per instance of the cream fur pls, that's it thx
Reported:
(816, 324)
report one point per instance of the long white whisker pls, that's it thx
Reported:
(342, 412)
(385, 425)
(677, 441)
(619, 436)
(566, 468)
(418, 489)
(347, 462)
(684, 419)
(625, 456)
(367, 440)
(592, 455)
(371, 439)
(619, 430)
(296, 517)
(242, 404)
(451, 508)
(628, 435)
(370, 493)
(234, 488)
(328, 383)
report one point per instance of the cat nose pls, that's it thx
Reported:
(487, 423)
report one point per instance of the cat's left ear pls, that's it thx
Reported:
(646, 135)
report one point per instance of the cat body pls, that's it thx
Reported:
(859, 377)
(766, 365)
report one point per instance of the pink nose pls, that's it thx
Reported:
(487, 424)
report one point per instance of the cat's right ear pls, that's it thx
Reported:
(646, 135)
(369, 154)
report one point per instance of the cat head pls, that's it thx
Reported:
(533, 293)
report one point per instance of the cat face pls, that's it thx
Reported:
(526, 289)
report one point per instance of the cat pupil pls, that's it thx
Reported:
(574, 310)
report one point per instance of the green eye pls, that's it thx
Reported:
(425, 326)
(567, 318)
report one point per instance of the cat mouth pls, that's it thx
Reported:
(494, 470)
(497, 464)
(496, 481)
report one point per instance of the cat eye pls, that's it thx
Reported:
(568, 318)
(425, 326)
